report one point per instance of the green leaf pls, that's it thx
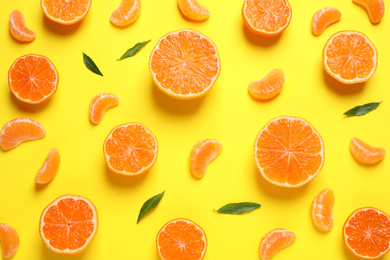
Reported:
(91, 65)
(133, 51)
(238, 208)
(362, 110)
(149, 205)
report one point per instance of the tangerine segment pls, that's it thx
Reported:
(193, 10)
(65, 12)
(289, 152)
(49, 167)
(266, 18)
(274, 241)
(181, 239)
(350, 57)
(185, 64)
(9, 239)
(364, 153)
(68, 224)
(202, 154)
(99, 104)
(130, 149)
(18, 28)
(19, 130)
(127, 13)
(33, 78)
(366, 233)
(374, 8)
(322, 210)
(323, 18)
(267, 87)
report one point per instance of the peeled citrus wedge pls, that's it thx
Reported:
(9, 239)
(322, 210)
(202, 154)
(18, 28)
(193, 10)
(374, 8)
(323, 18)
(267, 87)
(99, 104)
(127, 13)
(274, 241)
(49, 167)
(364, 153)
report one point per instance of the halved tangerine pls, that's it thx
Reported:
(65, 12)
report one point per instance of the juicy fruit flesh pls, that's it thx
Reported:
(374, 8)
(66, 11)
(49, 167)
(365, 153)
(322, 210)
(269, 86)
(99, 104)
(323, 18)
(202, 154)
(9, 239)
(18, 28)
(193, 10)
(274, 241)
(127, 12)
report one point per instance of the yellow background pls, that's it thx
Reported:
(227, 113)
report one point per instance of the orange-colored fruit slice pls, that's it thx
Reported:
(366, 233)
(18, 28)
(99, 104)
(202, 154)
(322, 210)
(130, 149)
(266, 18)
(323, 18)
(267, 87)
(364, 153)
(33, 78)
(289, 152)
(181, 239)
(127, 13)
(19, 130)
(185, 64)
(274, 241)
(49, 167)
(9, 239)
(193, 10)
(65, 12)
(68, 224)
(374, 8)
(350, 57)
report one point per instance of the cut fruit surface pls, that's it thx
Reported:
(9, 239)
(181, 239)
(289, 152)
(49, 167)
(65, 12)
(202, 154)
(193, 10)
(366, 233)
(374, 8)
(323, 18)
(274, 241)
(68, 224)
(365, 153)
(266, 18)
(18, 28)
(184, 64)
(99, 104)
(350, 57)
(267, 87)
(127, 13)
(33, 78)
(322, 210)
(19, 130)
(130, 149)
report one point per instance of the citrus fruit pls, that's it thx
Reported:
(33, 78)
(274, 241)
(350, 57)
(181, 239)
(323, 18)
(193, 10)
(202, 154)
(68, 224)
(374, 8)
(130, 149)
(266, 18)
(127, 13)
(267, 87)
(184, 64)
(65, 12)
(99, 104)
(366, 233)
(9, 239)
(18, 28)
(49, 167)
(19, 130)
(322, 210)
(364, 153)
(289, 152)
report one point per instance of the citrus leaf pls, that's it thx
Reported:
(238, 208)
(362, 110)
(133, 51)
(149, 205)
(91, 65)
